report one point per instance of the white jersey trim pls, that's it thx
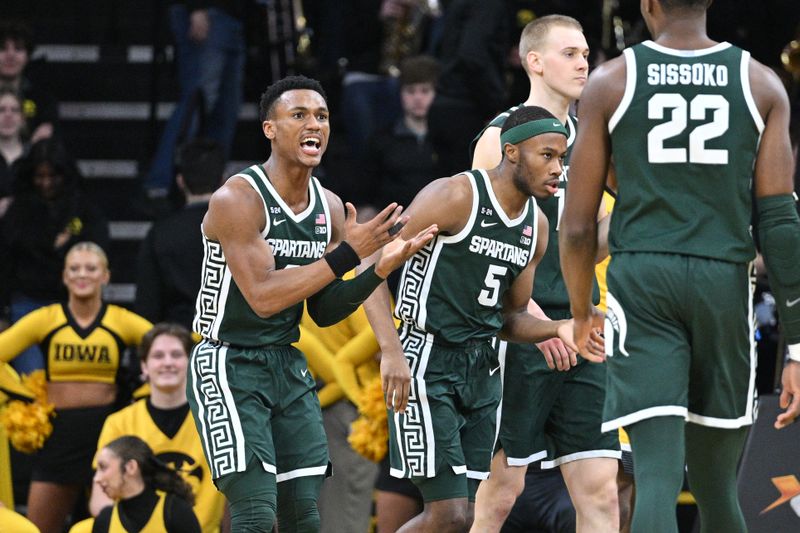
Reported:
(748, 94)
(644, 414)
(590, 454)
(687, 53)
(475, 474)
(302, 472)
(252, 183)
(525, 461)
(297, 217)
(325, 208)
(496, 203)
(573, 130)
(630, 88)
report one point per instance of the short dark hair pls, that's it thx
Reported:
(17, 31)
(53, 152)
(525, 114)
(288, 83)
(201, 162)
(165, 328)
(419, 69)
(694, 5)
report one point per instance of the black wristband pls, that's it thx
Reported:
(343, 259)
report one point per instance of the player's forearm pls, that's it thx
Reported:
(523, 327)
(340, 298)
(379, 313)
(578, 250)
(284, 288)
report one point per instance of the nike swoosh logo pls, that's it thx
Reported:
(485, 224)
(792, 303)
(305, 370)
(278, 222)
(492, 371)
(557, 124)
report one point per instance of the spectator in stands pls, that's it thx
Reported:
(84, 340)
(39, 107)
(400, 159)
(149, 495)
(12, 142)
(164, 423)
(171, 256)
(471, 87)
(210, 55)
(49, 215)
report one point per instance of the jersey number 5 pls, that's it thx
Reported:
(697, 152)
(492, 281)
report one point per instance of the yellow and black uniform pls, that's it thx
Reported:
(75, 354)
(173, 437)
(148, 512)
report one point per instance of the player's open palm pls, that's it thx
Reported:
(400, 250)
(365, 239)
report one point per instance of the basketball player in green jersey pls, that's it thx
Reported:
(552, 403)
(471, 283)
(692, 125)
(274, 237)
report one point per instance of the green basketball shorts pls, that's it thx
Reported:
(680, 340)
(548, 414)
(450, 421)
(258, 399)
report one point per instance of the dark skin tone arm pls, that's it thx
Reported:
(589, 166)
(236, 218)
(456, 194)
(774, 176)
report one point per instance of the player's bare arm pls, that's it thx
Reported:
(236, 219)
(518, 324)
(486, 153)
(589, 164)
(424, 212)
(774, 170)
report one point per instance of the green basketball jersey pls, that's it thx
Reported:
(684, 138)
(222, 313)
(549, 289)
(454, 287)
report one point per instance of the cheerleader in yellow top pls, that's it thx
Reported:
(163, 421)
(149, 496)
(83, 342)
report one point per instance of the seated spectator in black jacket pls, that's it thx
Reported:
(49, 215)
(39, 107)
(12, 142)
(400, 160)
(171, 256)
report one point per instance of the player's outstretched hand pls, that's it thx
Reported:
(557, 355)
(396, 380)
(365, 239)
(398, 252)
(790, 395)
(588, 338)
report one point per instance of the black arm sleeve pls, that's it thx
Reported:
(779, 233)
(337, 300)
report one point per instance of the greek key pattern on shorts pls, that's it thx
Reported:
(217, 423)
(412, 424)
(209, 304)
(410, 298)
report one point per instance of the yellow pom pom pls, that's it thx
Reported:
(28, 424)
